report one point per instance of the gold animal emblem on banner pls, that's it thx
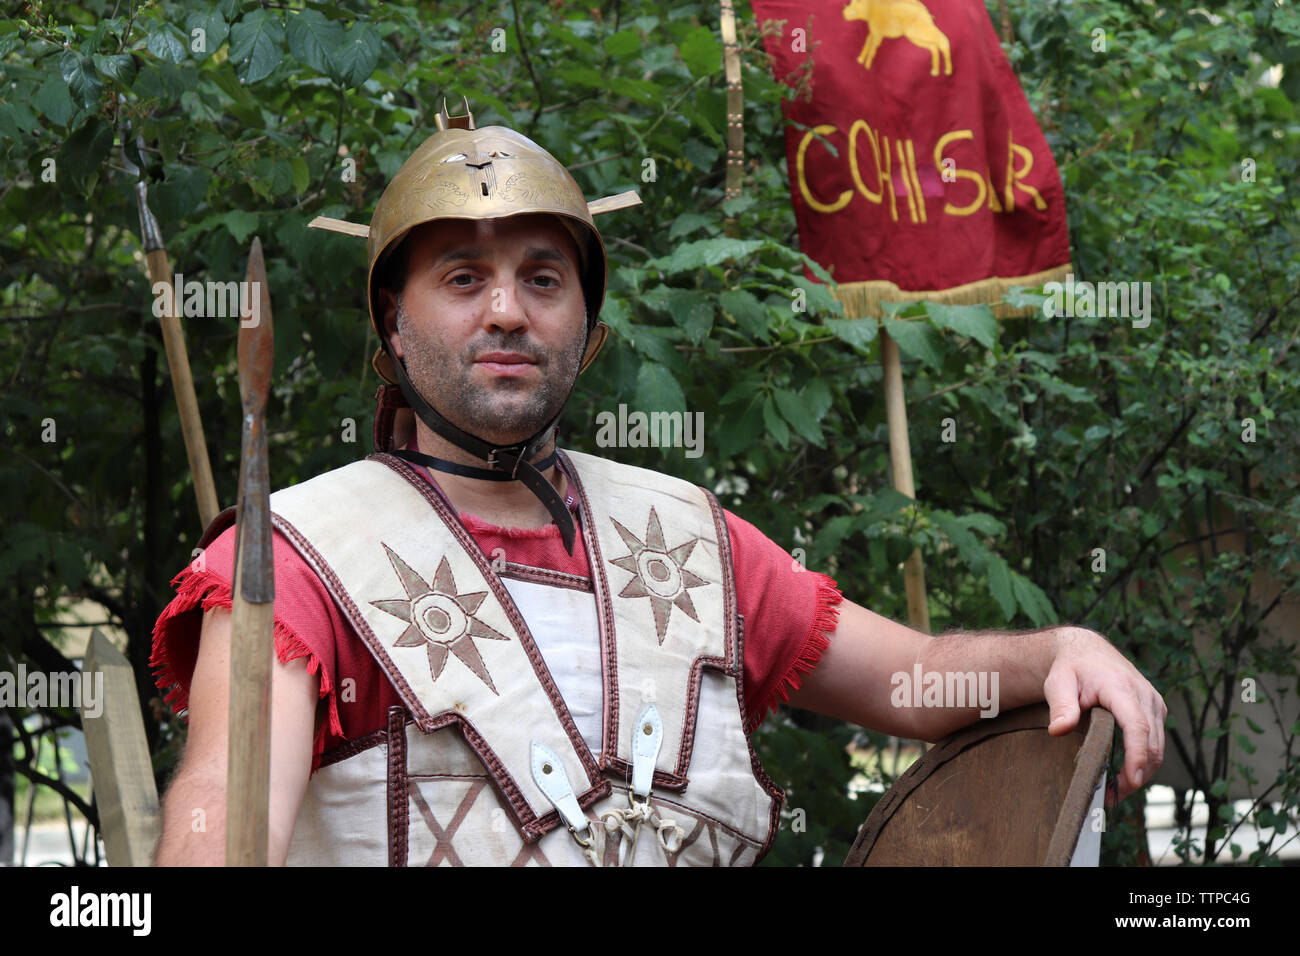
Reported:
(890, 19)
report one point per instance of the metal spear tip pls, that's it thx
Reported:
(256, 340)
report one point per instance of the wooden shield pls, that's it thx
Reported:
(1001, 792)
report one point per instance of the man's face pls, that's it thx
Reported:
(491, 323)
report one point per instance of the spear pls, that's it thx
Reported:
(253, 610)
(178, 359)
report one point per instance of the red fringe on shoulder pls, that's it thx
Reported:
(826, 616)
(207, 590)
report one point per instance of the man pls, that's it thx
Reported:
(540, 656)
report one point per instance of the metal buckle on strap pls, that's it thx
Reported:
(519, 451)
(584, 843)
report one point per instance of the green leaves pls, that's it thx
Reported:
(859, 333)
(241, 224)
(658, 390)
(256, 45)
(314, 39)
(347, 56)
(180, 194)
(357, 56)
(805, 409)
(1032, 600)
(701, 52)
(165, 44)
(82, 79)
(214, 29)
(916, 340)
(750, 314)
(120, 67)
(999, 578)
(973, 321)
(84, 152)
(704, 253)
(54, 102)
(622, 44)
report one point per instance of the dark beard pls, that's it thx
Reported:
(503, 412)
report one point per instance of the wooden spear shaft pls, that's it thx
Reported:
(178, 360)
(900, 458)
(248, 773)
(249, 769)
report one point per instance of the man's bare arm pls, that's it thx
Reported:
(1072, 668)
(191, 838)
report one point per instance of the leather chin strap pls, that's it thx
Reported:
(505, 462)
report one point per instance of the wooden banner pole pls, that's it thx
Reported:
(900, 458)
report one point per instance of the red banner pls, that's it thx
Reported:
(940, 184)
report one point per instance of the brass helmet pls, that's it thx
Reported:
(462, 172)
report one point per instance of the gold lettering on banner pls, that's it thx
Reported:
(976, 178)
(994, 204)
(916, 179)
(1011, 176)
(907, 180)
(883, 153)
(877, 196)
(823, 130)
(1018, 174)
(888, 177)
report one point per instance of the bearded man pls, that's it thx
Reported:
(493, 652)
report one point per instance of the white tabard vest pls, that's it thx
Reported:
(493, 759)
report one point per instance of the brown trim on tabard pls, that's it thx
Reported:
(678, 780)
(725, 664)
(764, 781)
(451, 521)
(399, 789)
(736, 629)
(729, 611)
(560, 579)
(427, 723)
(604, 618)
(353, 747)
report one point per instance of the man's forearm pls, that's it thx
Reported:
(193, 822)
(974, 674)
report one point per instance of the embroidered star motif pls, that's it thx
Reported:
(439, 618)
(658, 572)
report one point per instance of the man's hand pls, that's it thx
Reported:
(1088, 672)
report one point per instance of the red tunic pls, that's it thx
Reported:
(789, 613)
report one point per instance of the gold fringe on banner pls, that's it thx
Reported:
(863, 299)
